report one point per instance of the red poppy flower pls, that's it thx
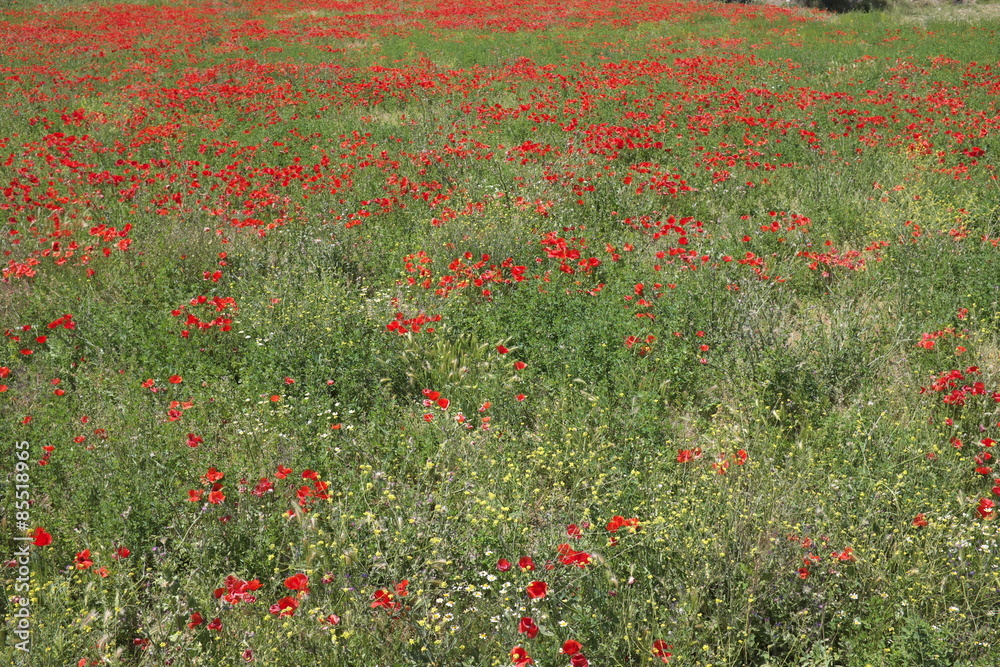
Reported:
(216, 497)
(214, 475)
(526, 563)
(236, 590)
(431, 395)
(803, 573)
(383, 598)
(443, 403)
(283, 472)
(502, 350)
(520, 397)
(82, 560)
(845, 556)
(527, 627)
(298, 582)
(216, 624)
(401, 588)
(520, 657)
(537, 590)
(332, 619)
(579, 660)
(286, 606)
(570, 556)
(121, 552)
(574, 531)
(570, 647)
(618, 522)
(920, 521)
(503, 565)
(42, 538)
(660, 650)
(193, 440)
(175, 379)
(263, 486)
(986, 509)
(520, 365)
(195, 620)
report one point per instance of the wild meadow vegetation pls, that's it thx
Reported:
(488, 333)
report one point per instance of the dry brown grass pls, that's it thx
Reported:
(926, 11)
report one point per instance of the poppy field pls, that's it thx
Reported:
(498, 333)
